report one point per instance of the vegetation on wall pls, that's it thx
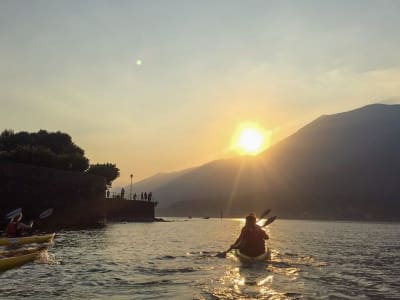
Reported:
(108, 170)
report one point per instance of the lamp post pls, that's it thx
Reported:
(130, 192)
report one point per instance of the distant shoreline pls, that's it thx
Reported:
(299, 219)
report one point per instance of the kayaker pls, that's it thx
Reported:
(251, 240)
(16, 228)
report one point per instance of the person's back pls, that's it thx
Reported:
(253, 241)
(12, 229)
(252, 238)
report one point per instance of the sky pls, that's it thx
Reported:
(158, 86)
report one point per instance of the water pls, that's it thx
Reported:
(176, 260)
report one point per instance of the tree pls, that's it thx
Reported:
(42, 148)
(108, 170)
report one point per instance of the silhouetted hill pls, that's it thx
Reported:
(156, 181)
(341, 166)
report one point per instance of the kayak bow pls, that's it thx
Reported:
(15, 261)
(27, 239)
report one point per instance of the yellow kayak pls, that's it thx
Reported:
(21, 251)
(44, 238)
(266, 256)
(15, 261)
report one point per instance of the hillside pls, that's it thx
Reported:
(341, 166)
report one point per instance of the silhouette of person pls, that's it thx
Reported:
(16, 228)
(251, 241)
(134, 196)
(122, 193)
(141, 196)
(150, 196)
(145, 196)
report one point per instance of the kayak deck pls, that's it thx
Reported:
(27, 239)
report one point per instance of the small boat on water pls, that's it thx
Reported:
(33, 239)
(206, 217)
(16, 258)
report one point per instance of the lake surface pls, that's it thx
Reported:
(176, 260)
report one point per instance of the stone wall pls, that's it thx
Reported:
(129, 210)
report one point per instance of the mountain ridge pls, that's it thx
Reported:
(327, 169)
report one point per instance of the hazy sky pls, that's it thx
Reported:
(206, 67)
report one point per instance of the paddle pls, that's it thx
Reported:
(223, 254)
(263, 215)
(48, 213)
(267, 222)
(14, 213)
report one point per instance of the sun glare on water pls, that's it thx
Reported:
(250, 139)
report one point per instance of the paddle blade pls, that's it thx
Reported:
(264, 214)
(46, 213)
(14, 213)
(269, 221)
(221, 254)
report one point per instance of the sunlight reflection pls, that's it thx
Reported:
(267, 279)
(239, 281)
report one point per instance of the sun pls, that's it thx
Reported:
(250, 139)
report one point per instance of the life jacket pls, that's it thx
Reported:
(12, 229)
(253, 241)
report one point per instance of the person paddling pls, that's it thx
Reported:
(251, 240)
(16, 228)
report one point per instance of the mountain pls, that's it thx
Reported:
(341, 166)
(161, 179)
